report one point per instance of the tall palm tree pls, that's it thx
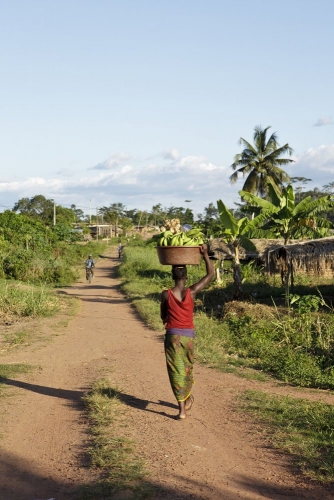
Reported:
(261, 163)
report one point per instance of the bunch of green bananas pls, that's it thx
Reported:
(191, 238)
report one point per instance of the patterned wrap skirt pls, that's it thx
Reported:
(179, 351)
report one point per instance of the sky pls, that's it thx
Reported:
(142, 102)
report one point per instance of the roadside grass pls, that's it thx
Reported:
(301, 428)
(8, 370)
(17, 338)
(19, 332)
(73, 305)
(123, 471)
(18, 300)
(21, 308)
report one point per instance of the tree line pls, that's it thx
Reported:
(272, 205)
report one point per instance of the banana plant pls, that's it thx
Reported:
(288, 220)
(238, 233)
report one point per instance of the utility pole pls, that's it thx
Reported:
(54, 211)
(188, 201)
(90, 211)
(97, 227)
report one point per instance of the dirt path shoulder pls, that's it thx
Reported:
(216, 453)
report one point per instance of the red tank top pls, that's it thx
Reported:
(180, 312)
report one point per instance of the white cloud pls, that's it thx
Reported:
(114, 161)
(171, 154)
(316, 164)
(138, 185)
(324, 121)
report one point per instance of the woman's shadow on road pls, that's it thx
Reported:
(141, 404)
(75, 397)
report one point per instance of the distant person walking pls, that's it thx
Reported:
(89, 264)
(120, 248)
(176, 311)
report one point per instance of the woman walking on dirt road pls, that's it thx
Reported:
(177, 307)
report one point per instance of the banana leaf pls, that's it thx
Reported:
(227, 219)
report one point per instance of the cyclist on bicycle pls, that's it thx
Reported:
(90, 264)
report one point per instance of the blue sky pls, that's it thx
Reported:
(144, 101)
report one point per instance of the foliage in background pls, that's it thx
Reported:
(45, 211)
(34, 253)
(288, 220)
(209, 221)
(238, 234)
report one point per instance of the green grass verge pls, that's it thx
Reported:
(303, 429)
(12, 369)
(122, 470)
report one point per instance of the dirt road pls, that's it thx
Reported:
(215, 454)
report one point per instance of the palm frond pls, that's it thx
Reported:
(260, 139)
(283, 150)
(247, 145)
(283, 161)
(251, 183)
(272, 142)
(234, 177)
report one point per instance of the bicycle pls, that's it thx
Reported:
(89, 274)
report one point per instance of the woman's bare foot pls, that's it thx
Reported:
(182, 413)
(189, 402)
(181, 416)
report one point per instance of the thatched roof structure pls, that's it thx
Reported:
(311, 257)
(219, 250)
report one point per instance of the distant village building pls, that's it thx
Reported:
(104, 231)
